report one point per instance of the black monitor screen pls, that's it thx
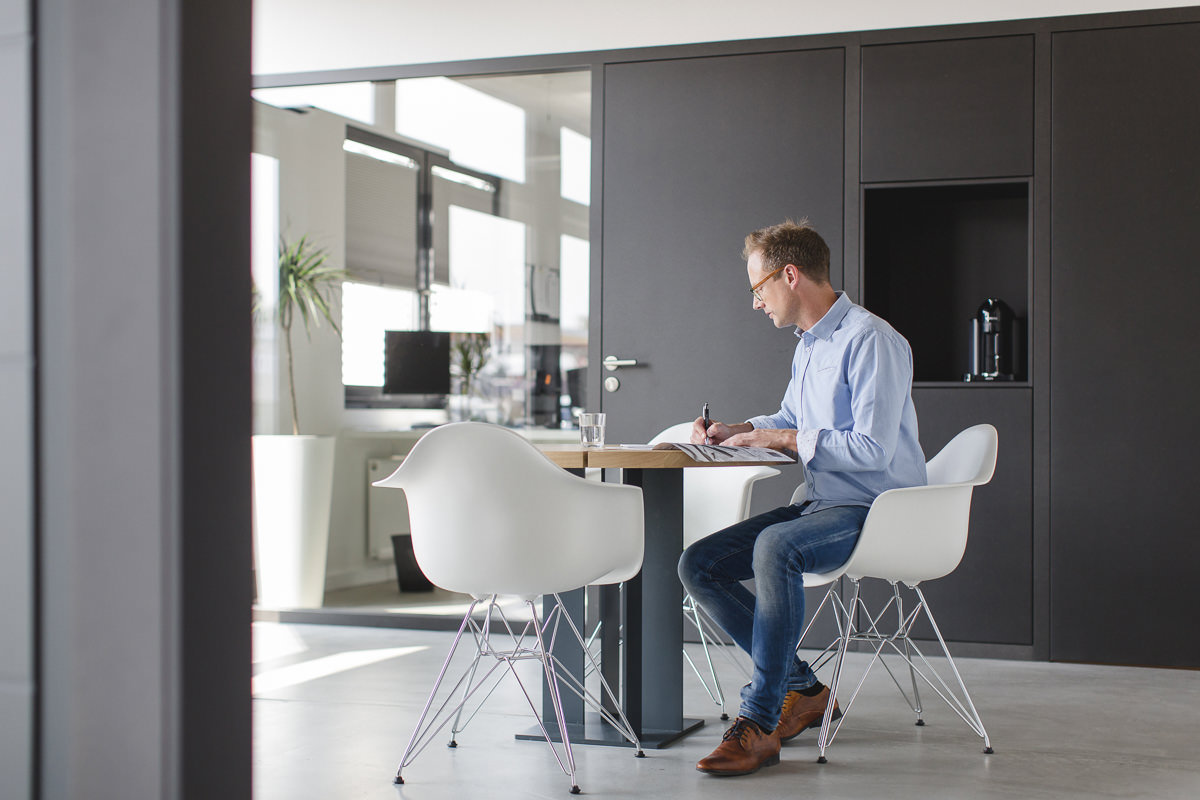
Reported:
(417, 362)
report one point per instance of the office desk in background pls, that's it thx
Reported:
(653, 626)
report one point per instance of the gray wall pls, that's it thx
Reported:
(16, 403)
(143, 399)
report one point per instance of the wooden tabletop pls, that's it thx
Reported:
(610, 456)
(567, 456)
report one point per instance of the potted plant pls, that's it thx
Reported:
(469, 353)
(293, 474)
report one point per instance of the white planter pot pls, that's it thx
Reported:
(293, 488)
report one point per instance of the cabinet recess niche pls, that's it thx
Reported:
(933, 254)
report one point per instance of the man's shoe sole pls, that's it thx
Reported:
(816, 723)
(729, 773)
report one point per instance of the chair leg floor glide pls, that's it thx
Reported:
(534, 640)
(899, 643)
(710, 637)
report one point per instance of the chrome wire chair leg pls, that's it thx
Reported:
(620, 722)
(412, 742)
(480, 645)
(846, 630)
(548, 667)
(692, 613)
(715, 636)
(903, 632)
(975, 722)
(830, 650)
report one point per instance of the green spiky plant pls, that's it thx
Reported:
(306, 282)
(470, 354)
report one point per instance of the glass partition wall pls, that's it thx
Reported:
(456, 205)
(465, 211)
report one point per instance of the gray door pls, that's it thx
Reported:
(697, 153)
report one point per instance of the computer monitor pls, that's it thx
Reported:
(417, 362)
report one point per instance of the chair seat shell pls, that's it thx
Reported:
(507, 520)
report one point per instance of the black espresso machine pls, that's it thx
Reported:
(994, 335)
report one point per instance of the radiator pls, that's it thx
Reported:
(387, 509)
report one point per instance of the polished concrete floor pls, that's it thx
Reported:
(334, 707)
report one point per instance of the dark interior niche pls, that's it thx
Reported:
(933, 254)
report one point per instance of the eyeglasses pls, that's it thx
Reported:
(754, 289)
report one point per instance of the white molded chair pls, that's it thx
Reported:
(491, 515)
(712, 499)
(910, 535)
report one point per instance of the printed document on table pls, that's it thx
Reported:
(714, 453)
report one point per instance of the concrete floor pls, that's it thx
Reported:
(334, 707)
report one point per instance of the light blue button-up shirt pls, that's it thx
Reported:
(850, 399)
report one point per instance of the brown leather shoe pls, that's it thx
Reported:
(744, 749)
(801, 713)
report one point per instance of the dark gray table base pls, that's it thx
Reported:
(653, 641)
(594, 730)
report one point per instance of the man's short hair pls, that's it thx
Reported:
(791, 243)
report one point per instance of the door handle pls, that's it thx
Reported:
(612, 362)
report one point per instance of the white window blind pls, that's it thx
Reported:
(381, 221)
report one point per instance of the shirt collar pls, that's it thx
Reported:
(833, 318)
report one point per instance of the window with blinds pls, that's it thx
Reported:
(382, 198)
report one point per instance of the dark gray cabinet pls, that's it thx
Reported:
(697, 153)
(960, 108)
(989, 598)
(1124, 427)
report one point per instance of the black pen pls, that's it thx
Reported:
(707, 422)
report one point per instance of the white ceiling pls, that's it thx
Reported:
(309, 35)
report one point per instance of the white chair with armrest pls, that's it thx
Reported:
(491, 515)
(713, 499)
(910, 535)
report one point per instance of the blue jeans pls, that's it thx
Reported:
(776, 549)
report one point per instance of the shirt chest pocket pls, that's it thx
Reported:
(826, 382)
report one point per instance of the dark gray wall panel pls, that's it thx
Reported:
(697, 153)
(1124, 427)
(989, 598)
(143, 400)
(953, 109)
(18, 690)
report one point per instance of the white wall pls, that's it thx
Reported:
(302, 35)
(16, 407)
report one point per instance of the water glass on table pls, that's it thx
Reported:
(591, 430)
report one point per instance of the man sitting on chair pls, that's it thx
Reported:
(848, 414)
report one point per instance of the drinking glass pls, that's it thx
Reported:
(591, 430)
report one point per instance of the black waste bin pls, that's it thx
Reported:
(408, 574)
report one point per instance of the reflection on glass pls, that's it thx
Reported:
(352, 100)
(576, 173)
(480, 131)
(367, 312)
(464, 212)
(487, 295)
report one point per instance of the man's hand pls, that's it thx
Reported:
(718, 432)
(782, 439)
